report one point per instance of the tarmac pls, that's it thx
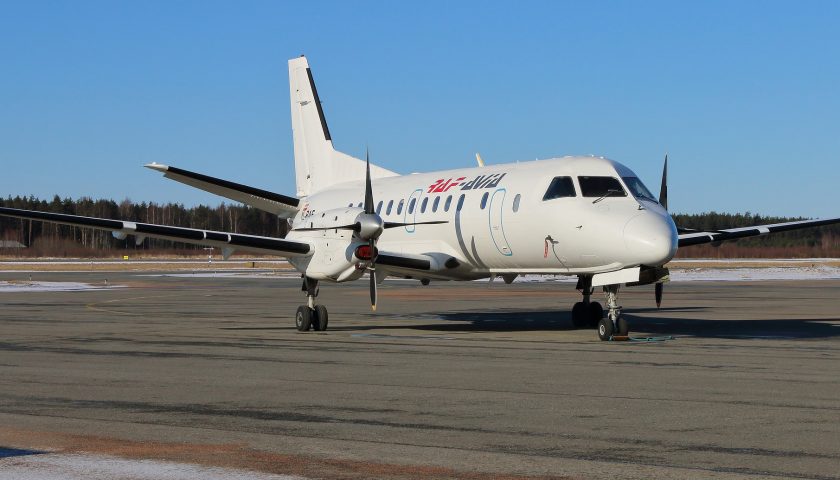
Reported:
(451, 380)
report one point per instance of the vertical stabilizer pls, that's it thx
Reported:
(317, 164)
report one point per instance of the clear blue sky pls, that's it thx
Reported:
(745, 96)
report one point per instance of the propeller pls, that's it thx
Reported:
(663, 200)
(371, 215)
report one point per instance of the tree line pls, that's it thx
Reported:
(45, 239)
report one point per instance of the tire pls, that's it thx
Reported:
(319, 323)
(605, 329)
(596, 313)
(579, 315)
(623, 329)
(303, 318)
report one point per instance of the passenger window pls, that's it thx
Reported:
(411, 205)
(388, 210)
(460, 202)
(447, 204)
(423, 207)
(435, 204)
(601, 186)
(560, 187)
(379, 207)
(400, 207)
(516, 202)
(359, 205)
(484, 200)
(351, 205)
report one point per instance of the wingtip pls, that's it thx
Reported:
(157, 166)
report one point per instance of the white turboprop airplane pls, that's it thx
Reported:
(585, 216)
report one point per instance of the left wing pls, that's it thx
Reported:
(228, 242)
(698, 237)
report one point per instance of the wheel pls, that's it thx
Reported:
(424, 281)
(579, 315)
(319, 323)
(596, 313)
(605, 329)
(303, 318)
(622, 327)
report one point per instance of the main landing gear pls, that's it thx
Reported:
(311, 315)
(589, 314)
(586, 313)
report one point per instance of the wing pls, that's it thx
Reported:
(226, 241)
(280, 205)
(697, 237)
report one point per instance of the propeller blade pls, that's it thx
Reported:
(400, 224)
(373, 289)
(663, 189)
(658, 293)
(354, 226)
(373, 275)
(368, 186)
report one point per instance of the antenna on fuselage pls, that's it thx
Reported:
(479, 159)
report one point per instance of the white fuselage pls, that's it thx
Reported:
(503, 226)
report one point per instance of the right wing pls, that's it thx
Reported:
(228, 242)
(280, 205)
(696, 237)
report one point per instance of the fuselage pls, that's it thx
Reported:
(570, 215)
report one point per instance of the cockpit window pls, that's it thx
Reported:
(638, 189)
(601, 186)
(560, 187)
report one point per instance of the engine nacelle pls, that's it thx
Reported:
(334, 255)
(329, 218)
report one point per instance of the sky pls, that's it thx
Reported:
(744, 96)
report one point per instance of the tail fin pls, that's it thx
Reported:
(317, 164)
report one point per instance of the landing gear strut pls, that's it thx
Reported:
(586, 313)
(614, 324)
(311, 315)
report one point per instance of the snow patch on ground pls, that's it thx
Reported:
(16, 287)
(819, 272)
(248, 274)
(752, 274)
(102, 467)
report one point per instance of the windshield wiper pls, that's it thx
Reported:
(611, 191)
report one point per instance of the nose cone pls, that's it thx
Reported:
(651, 239)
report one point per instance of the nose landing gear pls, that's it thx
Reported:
(614, 324)
(591, 314)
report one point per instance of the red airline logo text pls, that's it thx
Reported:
(444, 185)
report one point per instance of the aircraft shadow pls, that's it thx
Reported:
(554, 320)
(515, 321)
(793, 328)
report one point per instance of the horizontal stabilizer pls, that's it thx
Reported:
(280, 205)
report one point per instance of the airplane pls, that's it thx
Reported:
(584, 216)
